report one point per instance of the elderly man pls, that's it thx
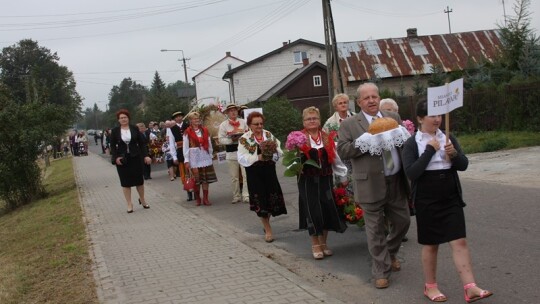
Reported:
(175, 134)
(229, 132)
(380, 186)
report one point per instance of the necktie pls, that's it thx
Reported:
(387, 155)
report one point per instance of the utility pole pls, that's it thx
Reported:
(335, 81)
(447, 11)
(183, 61)
(504, 13)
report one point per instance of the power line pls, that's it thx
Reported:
(153, 27)
(90, 13)
(131, 72)
(383, 13)
(100, 20)
(279, 13)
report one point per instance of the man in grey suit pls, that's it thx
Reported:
(380, 186)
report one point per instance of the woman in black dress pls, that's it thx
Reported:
(318, 212)
(265, 195)
(431, 163)
(128, 151)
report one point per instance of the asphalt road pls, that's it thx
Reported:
(502, 190)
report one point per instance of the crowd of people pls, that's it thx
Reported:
(420, 175)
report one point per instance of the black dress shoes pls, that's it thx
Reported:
(146, 206)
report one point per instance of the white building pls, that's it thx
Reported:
(254, 78)
(209, 83)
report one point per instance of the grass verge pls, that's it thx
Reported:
(43, 246)
(497, 140)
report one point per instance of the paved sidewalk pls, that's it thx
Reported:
(167, 254)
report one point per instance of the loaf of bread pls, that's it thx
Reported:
(382, 124)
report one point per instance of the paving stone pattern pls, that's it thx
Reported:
(167, 254)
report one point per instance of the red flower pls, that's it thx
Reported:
(352, 212)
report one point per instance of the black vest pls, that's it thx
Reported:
(177, 132)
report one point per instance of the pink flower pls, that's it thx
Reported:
(409, 125)
(295, 139)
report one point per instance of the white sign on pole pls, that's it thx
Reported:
(444, 99)
(248, 111)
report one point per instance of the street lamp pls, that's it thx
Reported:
(183, 61)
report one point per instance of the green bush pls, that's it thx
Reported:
(495, 144)
(281, 118)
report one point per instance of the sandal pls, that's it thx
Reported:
(483, 293)
(317, 255)
(436, 298)
(326, 251)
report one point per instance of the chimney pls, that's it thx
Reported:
(305, 61)
(228, 54)
(411, 33)
(285, 43)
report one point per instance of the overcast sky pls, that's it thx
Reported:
(105, 41)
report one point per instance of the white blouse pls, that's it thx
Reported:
(438, 161)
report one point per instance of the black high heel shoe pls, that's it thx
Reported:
(144, 206)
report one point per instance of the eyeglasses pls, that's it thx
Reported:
(257, 124)
(311, 119)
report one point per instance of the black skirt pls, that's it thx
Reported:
(131, 173)
(265, 195)
(317, 208)
(439, 212)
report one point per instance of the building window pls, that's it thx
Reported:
(317, 81)
(229, 67)
(298, 56)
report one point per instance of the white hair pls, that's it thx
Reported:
(390, 102)
(365, 85)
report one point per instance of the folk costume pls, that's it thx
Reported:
(176, 134)
(226, 129)
(197, 149)
(265, 195)
(317, 208)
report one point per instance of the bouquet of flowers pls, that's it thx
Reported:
(296, 143)
(154, 150)
(352, 212)
(409, 125)
(268, 148)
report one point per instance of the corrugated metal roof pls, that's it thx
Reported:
(395, 57)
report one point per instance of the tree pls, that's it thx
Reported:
(438, 76)
(281, 117)
(38, 102)
(158, 86)
(520, 45)
(32, 74)
(418, 87)
(161, 103)
(128, 95)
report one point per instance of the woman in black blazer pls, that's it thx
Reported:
(128, 151)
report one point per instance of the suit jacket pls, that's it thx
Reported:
(137, 145)
(369, 182)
